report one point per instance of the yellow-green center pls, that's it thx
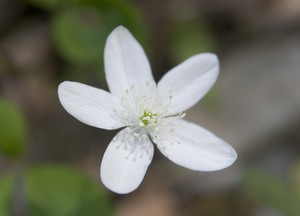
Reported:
(148, 118)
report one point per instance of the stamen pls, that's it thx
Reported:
(145, 112)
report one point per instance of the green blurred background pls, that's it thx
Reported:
(49, 161)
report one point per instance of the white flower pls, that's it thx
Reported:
(148, 113)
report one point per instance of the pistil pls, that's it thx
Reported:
(148, 119)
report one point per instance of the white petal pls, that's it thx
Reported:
(125, 161)
(125, 62)
(90, 105)
(193, 147)
(189, 81)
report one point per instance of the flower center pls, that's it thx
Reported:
(144, 106)
(148, 118)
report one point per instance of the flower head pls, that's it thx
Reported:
(149, 113)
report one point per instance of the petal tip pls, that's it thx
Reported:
(120, 30)
(234, 155)
(209, 57)
(60, 88)
(63, 85)
(114, 187)
(231, 158)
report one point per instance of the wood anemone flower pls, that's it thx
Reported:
(149, 113)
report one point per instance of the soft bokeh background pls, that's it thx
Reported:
(49, 161)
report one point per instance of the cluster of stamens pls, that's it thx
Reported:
(146, 115)
(142, 106)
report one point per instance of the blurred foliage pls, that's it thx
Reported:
(270, 190)
(125, 13)
(189, 38)
(12, 130)
(296, 177)
(79, 35)
(80, 29)
(6, 188)
(53, 190)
